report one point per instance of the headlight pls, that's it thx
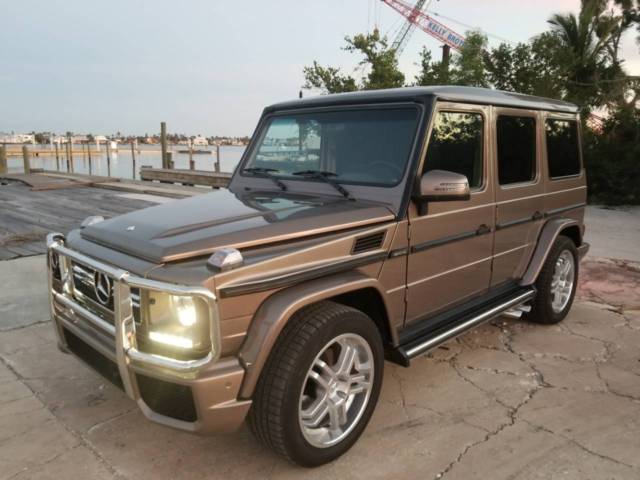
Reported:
(174, 325)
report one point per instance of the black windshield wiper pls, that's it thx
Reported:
(325, 176)
(266, 172)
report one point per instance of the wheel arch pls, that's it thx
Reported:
(557, 226)
(350, 288)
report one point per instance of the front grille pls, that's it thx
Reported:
(94, 285)
(103, 365)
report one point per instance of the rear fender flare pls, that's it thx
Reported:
(274, 313)
(547, 238)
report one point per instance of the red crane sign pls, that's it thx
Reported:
(426, 23)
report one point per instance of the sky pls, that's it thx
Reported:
(205, 66)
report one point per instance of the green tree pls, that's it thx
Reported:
(328, 79)
(611, 159)
(468, 66)
(465, 67)
(431, 72)
(379, 61)
(535, 68)
(590, 41)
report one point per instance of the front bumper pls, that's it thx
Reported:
(194, 395)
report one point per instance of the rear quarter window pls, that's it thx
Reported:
(563, 152)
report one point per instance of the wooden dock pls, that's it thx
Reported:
(35, 204)
(186, 177)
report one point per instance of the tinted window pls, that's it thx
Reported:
(562, 148)
(456, 145)
(516, 149)
(359, 146)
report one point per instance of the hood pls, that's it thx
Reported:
(199, 225)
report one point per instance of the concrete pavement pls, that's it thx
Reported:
(507, 400)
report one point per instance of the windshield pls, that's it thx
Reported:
(368, 146)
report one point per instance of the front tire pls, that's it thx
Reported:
(320, 385)
(556, 284)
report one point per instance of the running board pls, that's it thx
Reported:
(417, 346)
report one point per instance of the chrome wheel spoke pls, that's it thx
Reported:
(315, 414)
(346, 359)
(319, 379)
(336, 390)
(562, 281)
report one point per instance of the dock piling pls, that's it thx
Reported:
(3, 160)
(26, 159)
(217, 164)
(108, 142)
(133, 158)
(70, 150)
(192, 165)
(89, 153)
(163, 143)
(57, 145)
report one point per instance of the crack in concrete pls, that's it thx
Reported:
(78, 436)
(512, 412)
(573, 441)
(108, 420)
(403, 400)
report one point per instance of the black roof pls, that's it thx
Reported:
(483, 96)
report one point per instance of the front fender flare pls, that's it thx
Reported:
(275, 312)
(548, 236)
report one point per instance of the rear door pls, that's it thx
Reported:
(519, 188)
(451, 243)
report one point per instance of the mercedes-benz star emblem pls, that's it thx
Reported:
(102, 287)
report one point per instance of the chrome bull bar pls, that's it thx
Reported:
(123, 330)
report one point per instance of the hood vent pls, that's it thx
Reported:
(370, 242)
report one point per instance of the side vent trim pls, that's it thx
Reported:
(368, 242)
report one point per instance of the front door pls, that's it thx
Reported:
(451, 243)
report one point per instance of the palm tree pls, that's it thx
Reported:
(590, 44)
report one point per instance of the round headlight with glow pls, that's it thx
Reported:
(87, 222)
(226, 259)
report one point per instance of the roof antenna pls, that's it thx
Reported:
(300, 94)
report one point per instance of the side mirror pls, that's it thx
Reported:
(442, 185)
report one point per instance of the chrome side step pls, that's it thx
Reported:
(517, 311)
(412, 349)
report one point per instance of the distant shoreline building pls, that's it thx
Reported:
(17, 138)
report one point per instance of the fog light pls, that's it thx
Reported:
(173, 340)
(185, 309)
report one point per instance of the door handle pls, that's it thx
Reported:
(537, 215)
(483, 229)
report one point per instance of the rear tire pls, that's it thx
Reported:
(328, 357)
(556, 284)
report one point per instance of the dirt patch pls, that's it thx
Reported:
(614, 282)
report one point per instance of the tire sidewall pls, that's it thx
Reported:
(295, 442)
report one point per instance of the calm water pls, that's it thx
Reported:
(121, 165)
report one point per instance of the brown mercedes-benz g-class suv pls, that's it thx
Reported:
(357, 227)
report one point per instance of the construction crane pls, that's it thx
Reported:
(405, 32)
(416, 17)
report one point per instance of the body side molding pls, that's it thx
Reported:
(550, 232)
(274, 313)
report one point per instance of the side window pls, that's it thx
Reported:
(456, 145)
(516, 149)
(563, 153)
